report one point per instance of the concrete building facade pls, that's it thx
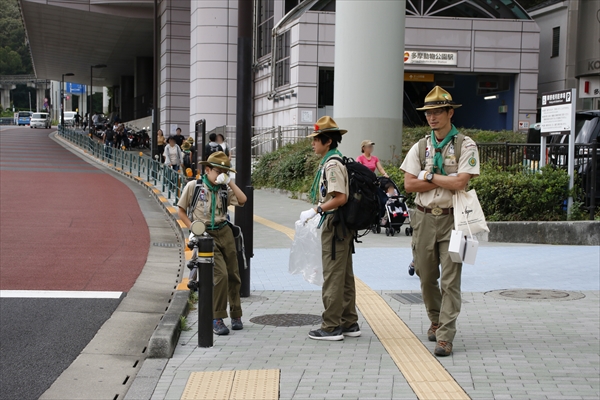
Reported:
(570, 49)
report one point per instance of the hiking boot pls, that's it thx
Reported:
(443, 349)
(431, 332)
(236, 324)
(320, 334)
(352, 331)
(219, 327)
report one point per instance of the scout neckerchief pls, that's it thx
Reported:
(438, 158)
(314, 189)
(214, 189)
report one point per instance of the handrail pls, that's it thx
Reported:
(166, 179)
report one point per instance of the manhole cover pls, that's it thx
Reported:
(162, 244)
(254, 299)
(535, 294)
(287, 319)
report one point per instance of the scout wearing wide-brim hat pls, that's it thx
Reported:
(326, 125)
(218, 159)
(438, 98)
(186, 146)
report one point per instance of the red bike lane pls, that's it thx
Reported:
(65, 224)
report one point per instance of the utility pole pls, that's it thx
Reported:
(244, 215)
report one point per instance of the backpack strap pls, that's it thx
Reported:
(195, 198)
(458, 142)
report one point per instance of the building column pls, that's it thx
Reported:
(5, 89)
(369, 72)
(174, 85)
(213, 60)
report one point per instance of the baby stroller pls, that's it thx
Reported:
(395, 211)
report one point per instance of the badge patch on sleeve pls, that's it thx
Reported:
(472, 161)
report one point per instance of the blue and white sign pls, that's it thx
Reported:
(75, 88)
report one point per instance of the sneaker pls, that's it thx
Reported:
(219, 327)
(236, 324)
(443, 349)
(320, 334)
(352, 331)
(411, 268)
(431, 332)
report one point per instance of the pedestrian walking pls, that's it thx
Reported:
(369, 160)
(221, 141)
(330, 189)
(160, 144)
(173, 155)
(179, 137)
(108, 139)
(212, 145)
(434, 170)
(217, 192)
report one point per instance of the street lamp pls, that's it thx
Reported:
(62, 96)
(92, 92)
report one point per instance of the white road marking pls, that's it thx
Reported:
(58, 294)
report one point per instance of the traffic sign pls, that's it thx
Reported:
(557, 112)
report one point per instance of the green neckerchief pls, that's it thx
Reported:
(213, 198)
(314, 189)
(438, 158)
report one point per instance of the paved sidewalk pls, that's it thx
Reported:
(505, 348)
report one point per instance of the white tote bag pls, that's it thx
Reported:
(468, 215)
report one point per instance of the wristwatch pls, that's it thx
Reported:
(319, 210)
(429, 176)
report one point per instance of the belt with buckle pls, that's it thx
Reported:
(436, 210)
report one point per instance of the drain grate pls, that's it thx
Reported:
(287, 319)
(163, 244)
(408, 298)
(535, 294)
(411, 298)
(253, 299)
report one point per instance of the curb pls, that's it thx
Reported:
(164, 339)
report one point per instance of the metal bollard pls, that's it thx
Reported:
(206, 264)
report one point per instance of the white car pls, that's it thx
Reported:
(40, 120)
(70, 118)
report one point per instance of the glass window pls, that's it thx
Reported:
(282, 60)
(555, 41)
(264, 26)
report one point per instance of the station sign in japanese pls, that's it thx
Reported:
(557, 112)
(430, 57)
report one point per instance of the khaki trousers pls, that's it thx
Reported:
(227, 276)
(431, 238)
(339, 292)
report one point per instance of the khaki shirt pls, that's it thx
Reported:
(468, 163)
(203, 206)
(336, 176)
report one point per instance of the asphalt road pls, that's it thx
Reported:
(68, 226)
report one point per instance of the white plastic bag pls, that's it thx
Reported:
(305, 254)
(468, 215)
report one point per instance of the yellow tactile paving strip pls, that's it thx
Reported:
(425, 375)
(239, 385)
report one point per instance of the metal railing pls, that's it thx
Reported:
(164, 178)
(527, 155)
(264, 140)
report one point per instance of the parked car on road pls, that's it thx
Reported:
(70, 118)
(24, 118)
(40, 120)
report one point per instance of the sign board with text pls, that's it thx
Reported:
(75, 88)
(430, 57)
(557, 112)
(418, 77)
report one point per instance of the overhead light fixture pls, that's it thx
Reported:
(492, 97)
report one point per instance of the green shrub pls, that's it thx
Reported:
(515, 195)
(292, 167)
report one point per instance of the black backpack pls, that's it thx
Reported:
(361, 211)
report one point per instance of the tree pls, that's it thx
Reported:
(12, 36)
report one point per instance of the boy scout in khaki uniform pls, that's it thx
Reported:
(435, 182)
(330, 188)
(218, 192)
